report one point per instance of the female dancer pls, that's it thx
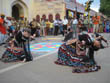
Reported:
(19, 48)
(73, 53)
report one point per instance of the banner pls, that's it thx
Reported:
(70, 14)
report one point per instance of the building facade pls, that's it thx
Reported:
(47, 9)
(17, 8)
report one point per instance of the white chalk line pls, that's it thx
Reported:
(21, 64)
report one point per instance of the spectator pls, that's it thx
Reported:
(65, 23)
(74, 26)
(56, 24)
(96, 23)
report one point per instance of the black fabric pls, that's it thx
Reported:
(85, 38)
(56, 30)
(18, 37)
(68, 36)
(83, 28)
(97, 35)
(64, 27)
(91, 54)
(22, 41)
(33, 31)
(27, 52)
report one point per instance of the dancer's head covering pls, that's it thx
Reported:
(86, 38)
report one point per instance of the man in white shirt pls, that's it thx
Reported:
(56, 24)
(8, 21)
(74, 26)
(65, 23)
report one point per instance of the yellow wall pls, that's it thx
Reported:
(34, 7)
(49, 8)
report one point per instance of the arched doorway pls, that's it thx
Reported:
(19, 9)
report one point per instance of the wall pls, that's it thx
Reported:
(52, 7)
(34, 7)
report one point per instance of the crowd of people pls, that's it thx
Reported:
(16, 34)
(45, 27)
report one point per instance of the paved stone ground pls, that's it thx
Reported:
(43, 69)
(37, 40)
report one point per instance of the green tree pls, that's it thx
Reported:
(105, 7)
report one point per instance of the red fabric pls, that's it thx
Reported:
(96, 20)
(2, 28)
(1, 21)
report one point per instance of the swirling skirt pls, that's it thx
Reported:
(67, 56)
(12, 56)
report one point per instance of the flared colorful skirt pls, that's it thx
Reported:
(67, 56)
(12, 56)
